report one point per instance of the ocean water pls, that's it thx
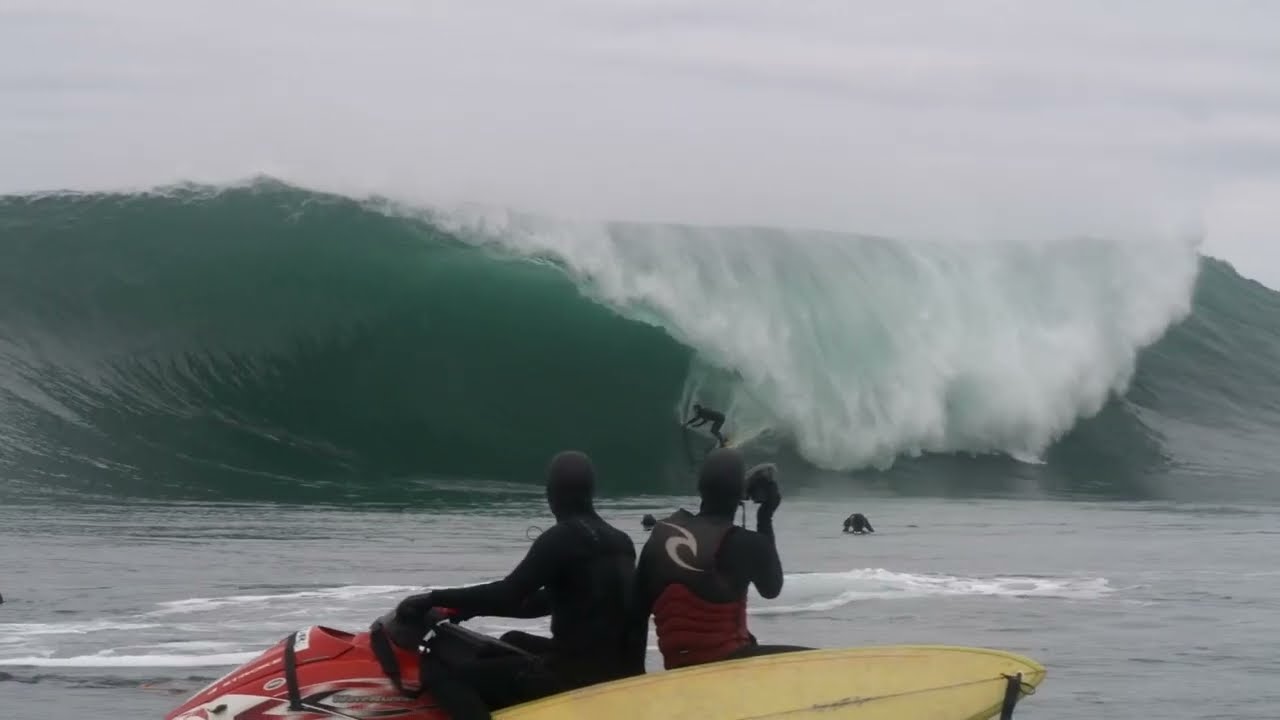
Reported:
(1138, 609)
(230, 412)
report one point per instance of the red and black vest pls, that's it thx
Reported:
(698, 615)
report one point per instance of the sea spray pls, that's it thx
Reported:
(863, 349)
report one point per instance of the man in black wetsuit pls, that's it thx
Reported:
(580, 572)
(702, 416)
(694, 571)
(858, 523)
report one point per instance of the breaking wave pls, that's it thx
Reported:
(268, 342)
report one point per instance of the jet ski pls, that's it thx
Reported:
(419, 670)
(396, 670)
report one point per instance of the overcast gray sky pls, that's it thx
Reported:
(940, 119)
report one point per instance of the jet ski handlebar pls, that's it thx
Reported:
(408, 632)
(439, 623)
(437, 615)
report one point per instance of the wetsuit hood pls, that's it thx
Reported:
(571, 484)
(722, 481)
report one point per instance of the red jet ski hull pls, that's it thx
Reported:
(337, 675)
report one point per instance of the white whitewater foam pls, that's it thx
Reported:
(867, 349)
(231, 633)
(344, 593)
(818, 592)
(12, 631)
(103, 660)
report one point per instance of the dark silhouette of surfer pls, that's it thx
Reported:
(648, 521)
(579, 572)
(857, 523)
(702, 416)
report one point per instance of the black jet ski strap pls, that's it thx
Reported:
(291, 673)
(381, 647)
(1013, 691)
(450, 691)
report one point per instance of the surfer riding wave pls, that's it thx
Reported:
(702, 416)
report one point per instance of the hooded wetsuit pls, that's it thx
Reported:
(694, 572)
(858, 523)
(580, 572)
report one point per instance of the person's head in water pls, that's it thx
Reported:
(722, 481)
(571, 483)
(648, 522)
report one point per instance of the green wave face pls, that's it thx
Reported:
(254, 342)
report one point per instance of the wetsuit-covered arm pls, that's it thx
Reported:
(764, 524)
(766, 566)
(517, 593)
(752, 558)
(538, 605)
(636, 632)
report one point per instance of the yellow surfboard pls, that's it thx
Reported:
(899, 682)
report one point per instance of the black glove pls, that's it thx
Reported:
(414, 608)
(408, 623)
